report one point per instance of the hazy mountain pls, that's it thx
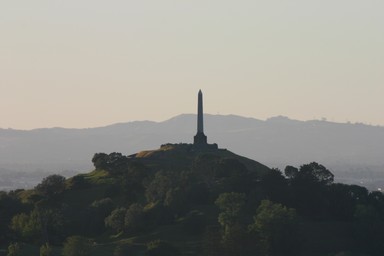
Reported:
(349, 150)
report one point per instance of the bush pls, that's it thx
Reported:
(13, 249)
(77, 246)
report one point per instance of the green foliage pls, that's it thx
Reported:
(77, 246)
(158, 188)
(114, 163)
(133, 220)
(28, 227)
(99, 160)
(46, 250)
(276, 227)
(14, 249)
(116, 219)
(51, 185)
(10, 206)
(314, 173)
(231, 205)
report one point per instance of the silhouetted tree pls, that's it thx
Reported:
(114, 163)
(52, 185)
(316, 173)
(275, 186)
(309, 187)
(100, 161)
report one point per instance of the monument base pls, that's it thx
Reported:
(200, 142)
(200, 139)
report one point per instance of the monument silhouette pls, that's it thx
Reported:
(200, 139)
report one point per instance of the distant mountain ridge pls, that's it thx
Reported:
(276, 142)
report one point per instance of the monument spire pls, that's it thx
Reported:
(200, 118)
(200, 139)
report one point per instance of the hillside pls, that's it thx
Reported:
(173, 185)
(182, 200)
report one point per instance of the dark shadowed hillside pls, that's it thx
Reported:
(186, 200)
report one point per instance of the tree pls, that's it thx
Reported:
(100, 160)
(368, 230)
(52, 185)
(316, 172)
(291, 171)
(27, 226)
(13, 249)
(77, 246)
(276, 228)
(275, 186)
(132, 181)
(10, 205)
(45, 250)
(310, 186)
(134, 217)
(158, 188)
(39, 224)
(231, 206)
(115, 220)
(113, 163)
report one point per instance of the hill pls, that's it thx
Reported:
(352, 151)
(170, 186)
(186, 200)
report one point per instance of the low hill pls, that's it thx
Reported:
(182, 200)
(173, 188)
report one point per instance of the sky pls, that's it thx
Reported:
(90, 63)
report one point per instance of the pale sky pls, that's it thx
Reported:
(88, 63)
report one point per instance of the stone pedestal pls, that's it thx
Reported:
(200, 139)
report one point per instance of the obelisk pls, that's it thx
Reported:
(200, 118)
(200, 139)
